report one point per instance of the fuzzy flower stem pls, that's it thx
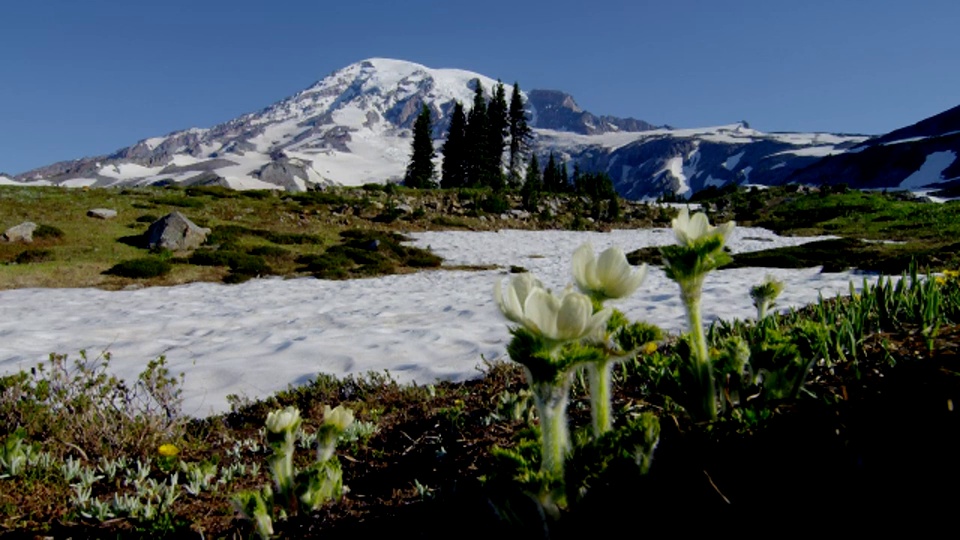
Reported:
(762, 308)
(551, 400)
(600, 377)
(690, 293)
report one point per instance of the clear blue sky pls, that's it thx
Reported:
(81, 78)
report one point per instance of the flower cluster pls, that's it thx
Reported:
(558, 333)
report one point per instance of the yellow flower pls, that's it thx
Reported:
(168, 450)
(650, 348)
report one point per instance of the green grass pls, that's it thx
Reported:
(919, 231)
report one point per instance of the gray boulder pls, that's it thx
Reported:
(102, 213)
(176, 233)
(20, 233)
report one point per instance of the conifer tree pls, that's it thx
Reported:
(420, 170)
(476, 138)
(532, 185)
(550, 176)
(496, 134)
(520, 135)
(563, 183)
(454, 170)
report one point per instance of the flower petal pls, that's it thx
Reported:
(540, 312)
(573, 317)
(584, 267)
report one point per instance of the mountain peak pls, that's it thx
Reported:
(354, 127)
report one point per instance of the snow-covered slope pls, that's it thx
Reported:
(682, 161)
(922, 155)
(353, 127)
(350, 128)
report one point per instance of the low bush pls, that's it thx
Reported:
(34, 256)
(271, 252)
(494, 204)
(292, 238)
(142, 268)
(78, 405)
(48, 232)
(178, 200)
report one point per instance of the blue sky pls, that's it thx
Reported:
(87, 78)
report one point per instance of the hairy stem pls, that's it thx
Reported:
(551, 399)
(600, 376)
(702, 365)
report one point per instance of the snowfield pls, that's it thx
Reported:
(261, 336)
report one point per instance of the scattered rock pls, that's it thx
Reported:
(102, 213)
(176, 233)
(20, 233)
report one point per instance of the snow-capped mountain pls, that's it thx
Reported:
(917, 156)
(353, 127)
(682, 161)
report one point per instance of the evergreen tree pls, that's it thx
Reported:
(497, 131)
(520, 135)
(476, 138)
(551, 178)
(604, 203)
(532, 185)
(420, 170)
(577, 181)
(562, 177)
(454, 170)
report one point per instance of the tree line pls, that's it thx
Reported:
(473, 155)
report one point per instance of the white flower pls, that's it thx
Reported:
(691, 230)
(286, 420)
(511, 300)
(609, 276)
(339, 417)
(568, 317)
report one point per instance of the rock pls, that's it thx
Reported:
(404, 208)
(20, 233)
(176, 233)
(102, 213)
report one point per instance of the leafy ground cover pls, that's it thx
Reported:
(893, 227)
(853, 420)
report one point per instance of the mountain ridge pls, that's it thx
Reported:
(353, 127)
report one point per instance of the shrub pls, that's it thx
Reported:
(419, 258)
(238, 262)
(292, 238)
(48, 231)
(257, 194)
(144, 267)
(34, 256)
(79, 405)
(217, 192)
(494, 204)
(271, 252)
(178, 200)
